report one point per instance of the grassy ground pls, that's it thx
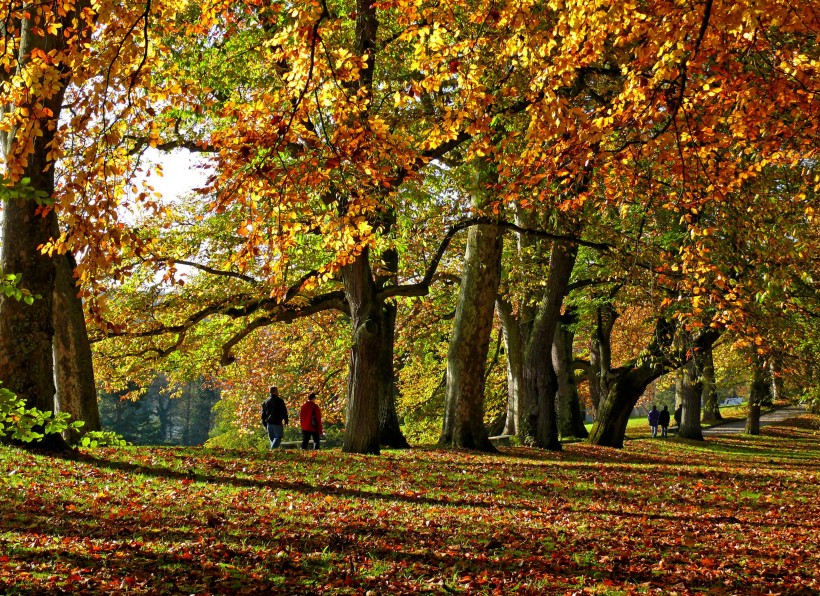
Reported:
(732, 515)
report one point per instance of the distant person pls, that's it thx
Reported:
(678, 416)
(654, 416)
(274, 417)
(663, 420)
(311, 419)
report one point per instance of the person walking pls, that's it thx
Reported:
(274, 417)
(310, 418)
(654, 415)
(663, 420)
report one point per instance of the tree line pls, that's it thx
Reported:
(564, 167)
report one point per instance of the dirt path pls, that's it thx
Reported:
(738, 426)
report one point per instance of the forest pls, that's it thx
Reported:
(458, 214)
(453, 221)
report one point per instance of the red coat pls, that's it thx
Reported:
(308, 412)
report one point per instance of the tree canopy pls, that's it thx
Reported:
(658, 158)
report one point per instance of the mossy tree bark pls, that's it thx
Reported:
(472, 329)
(365, 376)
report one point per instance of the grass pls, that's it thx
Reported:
(734, 514)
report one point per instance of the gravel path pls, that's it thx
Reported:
(738, 426)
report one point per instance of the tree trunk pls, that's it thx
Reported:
(626, 384)
(514, 340)
(776, 376)
(757, 394)
(624, 391)
(600, 355)
(570, 416)
(691, 391)
(470, 341)
(26, 331)
(364, 379)
(187, 431)
(390, 433)
(711, 409)
(74, 371)
(679, 391)
(540, 381)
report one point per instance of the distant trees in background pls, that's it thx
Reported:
(164, 415)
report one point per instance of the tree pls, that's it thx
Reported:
(570, 415)
(327, 122)
(757, 394)
(469, 343)
(42, 42)
(53, 98)
(74, 369)
(691, 391)
(709, 398)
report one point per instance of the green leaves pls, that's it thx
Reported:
(29, 424)
(100, 438)
(22, 189)
(9, 285)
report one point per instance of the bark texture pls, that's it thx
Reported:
(364, 380)
(711, 408)
(74, 371)
(600, 354)
(570, 415)
(692, 388)
(390, 434)
(514, 338)
(758, 392)
(26, 331)
(470, 341)
(540, 380)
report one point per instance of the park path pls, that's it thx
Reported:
(738, 426)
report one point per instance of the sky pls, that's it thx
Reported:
(180, 175)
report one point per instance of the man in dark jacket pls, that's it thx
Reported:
(654, 416)
(274, 417)
(663, 420)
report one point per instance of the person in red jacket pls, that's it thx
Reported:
(311, 419)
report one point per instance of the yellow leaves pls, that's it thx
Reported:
(363, 227)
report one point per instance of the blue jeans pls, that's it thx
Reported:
(275, 434)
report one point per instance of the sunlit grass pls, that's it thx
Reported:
(728, 515)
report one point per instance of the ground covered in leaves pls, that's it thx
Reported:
(733, 515)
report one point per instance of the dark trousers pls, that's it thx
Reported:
(307, 435)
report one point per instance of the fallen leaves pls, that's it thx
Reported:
(726, 516)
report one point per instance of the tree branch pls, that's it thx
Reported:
(422, 288)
